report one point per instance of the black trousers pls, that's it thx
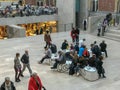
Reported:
(45, 57)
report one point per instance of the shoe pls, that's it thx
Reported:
(40, 62)
(22, 75)
(104, 76)
(53, 68)
(17, 80)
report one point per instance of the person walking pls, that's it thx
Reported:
(35, 83)
(103, 47)
(26, 63)
(99, 29)
(7, 84)
(17, 67)
(47, 39)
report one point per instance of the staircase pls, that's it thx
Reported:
(113, 34)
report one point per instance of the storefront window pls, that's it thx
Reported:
(45, 26)
(3, 32)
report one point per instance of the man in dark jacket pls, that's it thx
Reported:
(100, 68)
(77, 31)
(25, 61)
(64, 45)
(103, 47)
(7, 85)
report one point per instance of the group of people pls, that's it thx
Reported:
(78, 53)
(17, 65)
(34, 81)
(26, 10)
(102, 26)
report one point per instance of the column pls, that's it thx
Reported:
(83, 11)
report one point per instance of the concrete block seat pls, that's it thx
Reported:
(89, 73)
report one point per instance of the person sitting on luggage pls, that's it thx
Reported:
(48, 54)
(60, 60)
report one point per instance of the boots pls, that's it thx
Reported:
(17, 80)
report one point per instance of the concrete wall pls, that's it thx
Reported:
(14, 31)
(93, 22)
(30, 19)
(66, 14)
(83, 10)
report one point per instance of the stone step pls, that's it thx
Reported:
(114, 32)
(113, 36)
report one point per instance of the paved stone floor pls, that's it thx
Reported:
(53, 80)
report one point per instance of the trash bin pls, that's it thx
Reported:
(89, 73)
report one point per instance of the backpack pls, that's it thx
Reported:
(53, 48)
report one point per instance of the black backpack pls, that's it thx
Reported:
(53, 48)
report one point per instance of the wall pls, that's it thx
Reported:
(93, 22)
(66, 14)
(15, 31)
(29, 19)
(83, 10)
(107, 5)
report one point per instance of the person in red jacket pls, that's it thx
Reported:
(35, 83)
(73, 35)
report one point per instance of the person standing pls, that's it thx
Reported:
(7, 85)
(99, 29)
(77, 31)
(47, 39)
(73, 35)
(100, 68)
(103, 47)
(104, 25)
(85, 24)
(17, 67)
(26, 63)
(35, 83)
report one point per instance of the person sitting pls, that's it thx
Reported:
(7, 85)
(76, 47)
(48, 54)
(64, 45)
(60, 60)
